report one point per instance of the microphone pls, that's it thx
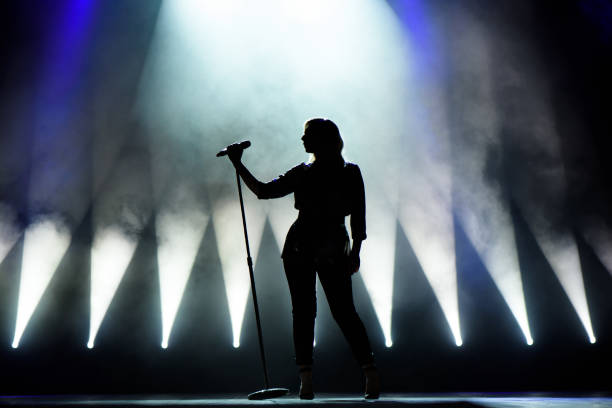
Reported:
(237, 146)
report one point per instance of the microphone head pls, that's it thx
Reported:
(239, 146)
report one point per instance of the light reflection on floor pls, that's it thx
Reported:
(505, 400)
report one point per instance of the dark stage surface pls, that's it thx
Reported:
(391, 400)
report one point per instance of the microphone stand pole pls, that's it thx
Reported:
(267, 392)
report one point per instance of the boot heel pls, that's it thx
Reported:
(306, 392)
(372, 390)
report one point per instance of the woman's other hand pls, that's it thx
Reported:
(354, 262)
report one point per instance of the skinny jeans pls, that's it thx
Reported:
(301, 268)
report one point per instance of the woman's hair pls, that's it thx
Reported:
(327, 135)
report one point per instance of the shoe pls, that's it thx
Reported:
(372, 390)
(306, 392)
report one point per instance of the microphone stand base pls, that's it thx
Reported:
(268, 393)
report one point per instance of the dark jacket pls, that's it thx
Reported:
(325, 193)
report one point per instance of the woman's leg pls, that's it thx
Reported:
(338, 289)
(301, 278)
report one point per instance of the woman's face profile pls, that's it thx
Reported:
(309, 140)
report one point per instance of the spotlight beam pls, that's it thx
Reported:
(479, 199)
(179, 237)
(228, 227)
(111, 254)
(377, 261)
(562, 254)
(45, 243)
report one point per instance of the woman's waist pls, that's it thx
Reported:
(320, 220)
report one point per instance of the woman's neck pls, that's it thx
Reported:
(328, 159)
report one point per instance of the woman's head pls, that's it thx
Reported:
(322, 138)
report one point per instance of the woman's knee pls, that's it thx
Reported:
(304, 310)
(344, 314)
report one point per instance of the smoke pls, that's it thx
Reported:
(508, 146)
(9, 233)
(218, 74)
(505, 138)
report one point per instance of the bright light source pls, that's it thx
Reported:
(426, 218)
(562, 254)
(90, 344)
(377, 260)
(481, 204)
(281, 215)
(111, 253)
(230, 241)
(495, 243)
(388, 343)
(179, 237)
(286, 63)
(529, 341)
(592, 339)
(45, 243)
(164, 344)
(423, 174)
(459, 342)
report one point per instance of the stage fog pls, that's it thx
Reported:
(480, 131)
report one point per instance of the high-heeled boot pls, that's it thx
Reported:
(306, 382)
(372, 390)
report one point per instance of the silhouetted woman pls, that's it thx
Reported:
(326, 191)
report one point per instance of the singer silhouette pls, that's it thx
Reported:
(326, 190)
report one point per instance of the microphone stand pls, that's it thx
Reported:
(267, 392)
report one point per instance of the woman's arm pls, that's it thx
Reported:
(358, 223)
(354, 260)
(278, 187)
(252, 183)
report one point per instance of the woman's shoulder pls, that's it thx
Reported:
(297, 170)
(352, 167)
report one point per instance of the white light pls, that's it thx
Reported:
(562, 254)
(423, 176)
(45, 243)
(15, 344)
(428, 223)
(281, 215)
(481, 205)
(459, 342)
(164, 344)
(592, 339)
(529, 341)
(179, 237)
(377, 259)
(111, 253)
(283, 61)
(230, 241)
(90, 344)
(495, 243)
(388, 343)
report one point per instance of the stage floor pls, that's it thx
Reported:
(506, 400)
